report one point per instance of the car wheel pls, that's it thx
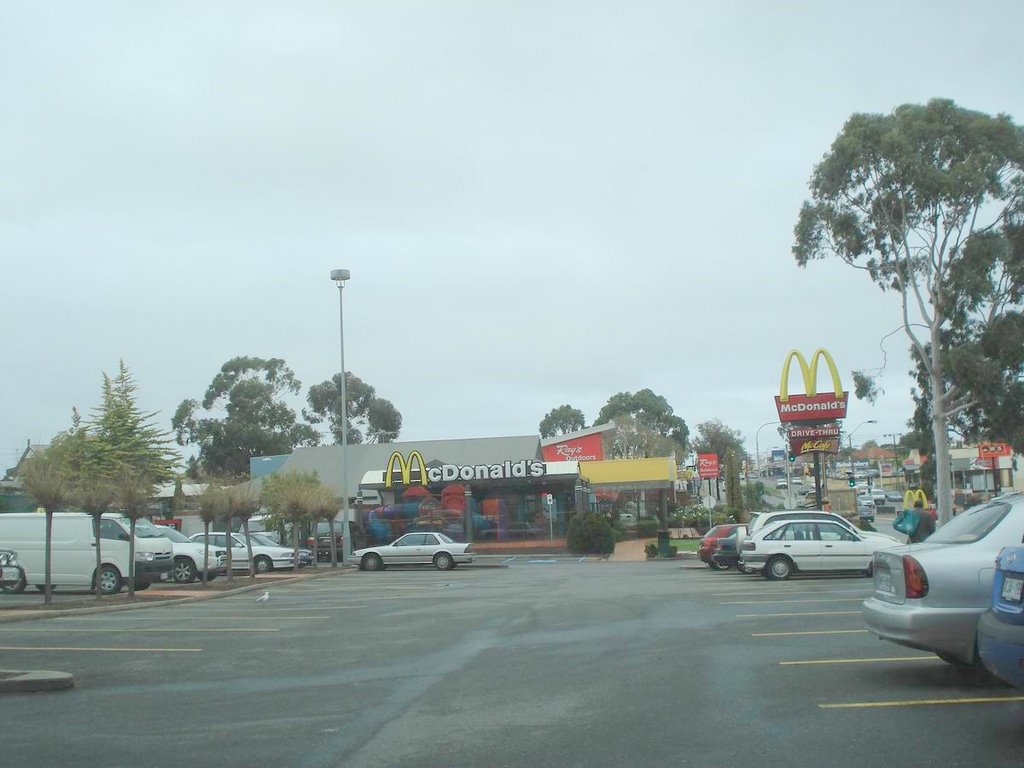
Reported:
(371, 562)
(110, 580)
(717, 565)
(779, 568)
(443, 561)
(184, 570)
(16, 588)
(263, 564)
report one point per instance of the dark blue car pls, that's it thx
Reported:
(1001, 628)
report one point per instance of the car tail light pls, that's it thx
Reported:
(310, 542)
(749, 546)
(914, 578)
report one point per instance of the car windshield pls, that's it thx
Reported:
(259, 538)
(146, 530)
(174, 535)
(970, 526)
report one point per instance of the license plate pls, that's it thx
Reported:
(883, 582)
(1012, 588)
(11, 574)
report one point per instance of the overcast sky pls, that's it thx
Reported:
(540, 202)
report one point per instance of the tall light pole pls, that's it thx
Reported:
(757, 444)
(849, 439)
(340, 276)
(896, 468)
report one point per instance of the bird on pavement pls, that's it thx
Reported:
(264, 597)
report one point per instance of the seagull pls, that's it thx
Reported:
(264, 597)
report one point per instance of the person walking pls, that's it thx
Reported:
(925, 524)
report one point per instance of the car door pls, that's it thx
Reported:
(842, 550)
(405, 549)
(799, 541)
(429, 548)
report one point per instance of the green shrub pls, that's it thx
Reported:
(651, 550)
(590, 534)
(646, 528)
(673, 550)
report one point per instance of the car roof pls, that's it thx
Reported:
(773, 524)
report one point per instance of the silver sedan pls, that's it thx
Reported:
(929, 596)
(433, 548)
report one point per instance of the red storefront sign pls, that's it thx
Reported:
(993, 450)
(707, 465)
(808, 439)
(586, 448)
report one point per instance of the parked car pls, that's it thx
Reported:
(267, 556)
(706, 547)
(781, 483)
(726, 552)
(894, 498)
(435, 549)
(1001, 628)
(760, 520)
(929, 596)
(190, 557)
(321, 540)
(792, 546)
(11, 572)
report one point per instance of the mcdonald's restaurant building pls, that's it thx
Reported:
(505, 492)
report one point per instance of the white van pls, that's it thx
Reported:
(73, 550)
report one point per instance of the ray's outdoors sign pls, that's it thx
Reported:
(812, 406)
(448, 473)
(814, 437)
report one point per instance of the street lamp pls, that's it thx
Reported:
(340, 276)
(757, 444)
(896, 469)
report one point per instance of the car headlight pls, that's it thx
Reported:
(145, 557)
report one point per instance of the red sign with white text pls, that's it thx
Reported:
(587, 448)
(707, 465)
(810, 438)
(993, 450)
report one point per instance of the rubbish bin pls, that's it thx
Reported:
(663, 545)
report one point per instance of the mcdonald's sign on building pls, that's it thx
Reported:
(812, 406)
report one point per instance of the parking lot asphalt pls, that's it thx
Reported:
(545, 663)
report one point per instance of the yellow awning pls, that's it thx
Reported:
(660, 470)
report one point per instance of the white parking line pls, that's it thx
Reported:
(772, 602)
(884, 660)
(52, 631)
(808, 613)
(99, 650)
(814, 632)
(923, 702)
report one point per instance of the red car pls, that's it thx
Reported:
(707, 544)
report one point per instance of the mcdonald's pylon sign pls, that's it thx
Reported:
(811, 406)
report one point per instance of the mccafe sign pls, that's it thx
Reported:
(400, 469)
(817, 437)
(811, 406)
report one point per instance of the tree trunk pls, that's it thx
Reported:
(47, 585)
(99, 557)
(248, 546)
(131, 561)
(229, 541)
(334, 543)
(943, 484)
(206, 550)
(295, 546)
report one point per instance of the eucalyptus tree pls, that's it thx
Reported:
(291, 496)
(45, 479)
(371, 419)
(928, 202)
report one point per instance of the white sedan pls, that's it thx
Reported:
(189, 557)
(267, 555)
(419, 548)
(811, 546)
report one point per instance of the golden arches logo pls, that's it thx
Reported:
(914, 495)
(405, 468)
(809, 372)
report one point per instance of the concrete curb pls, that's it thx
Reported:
(34, 681)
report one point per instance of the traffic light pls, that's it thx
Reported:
(851, 480)
(792, 457)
